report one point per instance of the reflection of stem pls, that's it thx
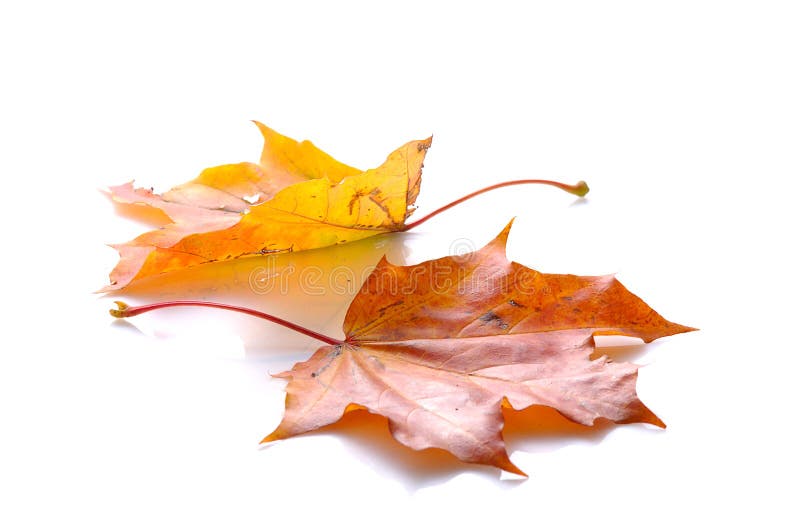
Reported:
(124, 311)
(579, 189)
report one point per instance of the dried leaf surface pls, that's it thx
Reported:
(297, 197)
(439, 347)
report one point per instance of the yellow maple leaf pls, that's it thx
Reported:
(298, 197)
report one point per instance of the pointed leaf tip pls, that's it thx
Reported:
(507, 228)
(506, 464)
(502, 237)
(273, 436)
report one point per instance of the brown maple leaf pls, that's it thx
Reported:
(438, 348)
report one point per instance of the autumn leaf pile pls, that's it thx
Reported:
(438, 348)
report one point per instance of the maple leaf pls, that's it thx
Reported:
(440, 347)
(296, 198)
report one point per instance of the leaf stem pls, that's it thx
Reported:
(579, 189)
(125, 311)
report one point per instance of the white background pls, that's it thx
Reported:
(682, 116)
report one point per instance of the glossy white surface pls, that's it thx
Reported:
(682, 117)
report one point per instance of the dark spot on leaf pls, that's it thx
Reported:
(356, 196)
(491, 317)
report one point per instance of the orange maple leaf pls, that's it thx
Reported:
(297, 197)
(440, 347)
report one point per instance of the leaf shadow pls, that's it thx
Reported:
(367, 436)
(536, 429)
(625, 350)
(577, 202)
(543, 429)
(124, 325)
(312, 288)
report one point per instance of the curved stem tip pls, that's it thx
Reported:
(579, 189)
(125, 311)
